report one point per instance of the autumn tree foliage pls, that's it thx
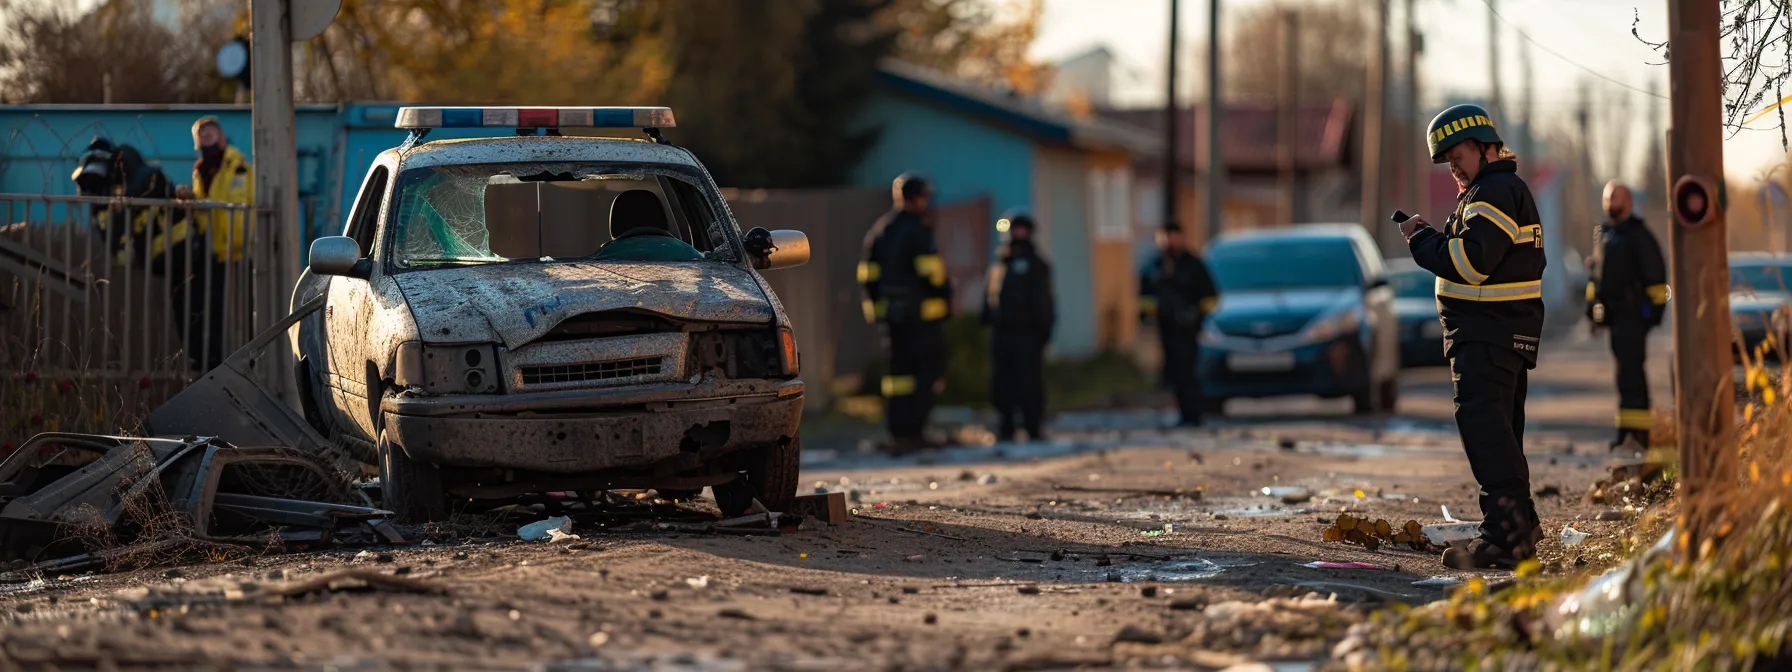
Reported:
(51, 53)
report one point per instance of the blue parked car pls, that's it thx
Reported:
(1415, 304)
(1303, 310)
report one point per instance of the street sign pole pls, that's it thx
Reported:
(1704, 413)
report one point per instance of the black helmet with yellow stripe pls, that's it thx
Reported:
(1459, 123)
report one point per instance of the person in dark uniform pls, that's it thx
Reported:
(1020, 308)
(1185, 295)
(1489, 264)
(1628, 294)
(907, 291)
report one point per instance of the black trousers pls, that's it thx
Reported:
(1182, 364)
(1017, 381)
(918, 355)
(1490, 385)
(197, 291)
(1629, 347)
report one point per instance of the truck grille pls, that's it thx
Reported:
(595, 371)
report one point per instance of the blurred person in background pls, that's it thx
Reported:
(1185, 296)
(1020, 308)
(907, 291)
(220, 175)
(1627, 293)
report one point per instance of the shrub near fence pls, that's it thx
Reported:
(97, 327)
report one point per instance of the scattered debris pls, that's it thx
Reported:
(1572, 537)
(986, 479)
(1136, 635)
(1372, 534)
(1610, 515)
(1325, 564)
(1137, 492)
(829, 508)
(698, 583)
(930, 533)
(1438, 581)
(736, 614)
(801, 590)
(541, 530)
(62, 495)
(1549, 491)
(1451, 530)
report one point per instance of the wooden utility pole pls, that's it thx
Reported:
(1417, 158)
(1704, 413)
(276, 165)
(1495, 101)
(1216, 114)
(1287, 119)
(1375, 109)
(1172, 117)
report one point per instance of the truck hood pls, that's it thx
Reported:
(519, 302)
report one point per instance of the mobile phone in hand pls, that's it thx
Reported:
(1400, 217)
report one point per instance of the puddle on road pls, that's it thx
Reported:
(1163, 571)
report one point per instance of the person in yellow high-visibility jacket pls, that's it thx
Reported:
(220, 175)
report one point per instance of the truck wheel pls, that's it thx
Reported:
(770, 476)
(412, 490)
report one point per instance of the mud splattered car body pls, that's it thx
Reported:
(469, 361)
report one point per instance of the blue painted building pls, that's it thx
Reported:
(988, 151)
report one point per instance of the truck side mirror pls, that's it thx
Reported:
(339, 255)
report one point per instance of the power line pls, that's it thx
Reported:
(1570, 61)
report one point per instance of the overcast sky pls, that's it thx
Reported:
(1593, 33)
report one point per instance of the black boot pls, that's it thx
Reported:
(1480, 554)
(1631, 441)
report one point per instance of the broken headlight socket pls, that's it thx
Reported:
(448, 369)
(788, 357)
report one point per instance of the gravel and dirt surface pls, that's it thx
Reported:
(1116, 544)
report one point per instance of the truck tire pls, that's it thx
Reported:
(770, 475)
(412, 490)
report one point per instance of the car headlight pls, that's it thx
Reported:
(1328, 327)
(1210, 334)
(447, 369)
(788, 358)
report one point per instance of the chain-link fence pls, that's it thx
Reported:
(108, 306)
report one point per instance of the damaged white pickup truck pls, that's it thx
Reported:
(543, 313)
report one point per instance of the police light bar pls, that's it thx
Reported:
(534, 117)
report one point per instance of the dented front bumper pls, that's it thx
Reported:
(581, 431)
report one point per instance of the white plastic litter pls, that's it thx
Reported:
(698, 583)
(1451, 530)
(540, 530)
(1572, 537)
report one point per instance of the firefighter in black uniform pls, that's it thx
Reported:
(1489, 264)
(1628, 294)
(1020, 308)
(906, 290)
(1185, 295)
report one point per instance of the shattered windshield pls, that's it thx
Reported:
(501, 212)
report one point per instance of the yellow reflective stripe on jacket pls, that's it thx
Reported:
(1493, 214)
(869, 271)
(1210, 303)
(1658, 294)
(898, 386)
(933, 268)
(1635, 418)
(934, 309)
(1148, 305)
(1512, 291)
(1591, 292)
(874, 310)
(1459, 257)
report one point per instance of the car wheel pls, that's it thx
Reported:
(769, 475)
(410, 489)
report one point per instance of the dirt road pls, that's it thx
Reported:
(1072, 553)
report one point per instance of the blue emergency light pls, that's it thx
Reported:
(418, 118)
